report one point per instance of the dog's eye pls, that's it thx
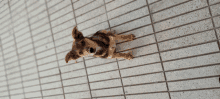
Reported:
(83, 43)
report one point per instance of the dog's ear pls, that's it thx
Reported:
(71, 56)
(77, 35)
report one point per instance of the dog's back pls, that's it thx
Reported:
(103, 39)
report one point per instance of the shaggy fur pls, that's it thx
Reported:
(102, 44)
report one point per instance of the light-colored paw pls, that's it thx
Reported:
(113, 31)
(132, 37)
(129, 56)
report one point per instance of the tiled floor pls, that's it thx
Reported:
(177, 52)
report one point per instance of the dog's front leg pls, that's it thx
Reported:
(123, 55)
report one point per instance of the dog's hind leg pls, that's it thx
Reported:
(129, 37)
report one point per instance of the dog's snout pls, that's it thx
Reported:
(91, 50)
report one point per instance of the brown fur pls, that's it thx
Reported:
(101, 44)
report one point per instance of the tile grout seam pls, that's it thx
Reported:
(18, 58)
(119, 71)
(161, 61)
(34, 49)
(213, 24)
(83, 57)
(6, 76)
(55, 48)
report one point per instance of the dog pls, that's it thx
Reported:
(102, 44)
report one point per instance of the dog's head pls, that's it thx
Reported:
(82, 46)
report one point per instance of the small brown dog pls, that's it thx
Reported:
(102, 44)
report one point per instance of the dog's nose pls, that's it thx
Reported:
(91, 50)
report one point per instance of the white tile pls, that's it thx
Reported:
(193, 73)
(187, 18)
(192, 62)
(30, 89)
(102, 68)
(49, 72)
(78, 95)
(146, 88)
(74, 81)
(48, 66)
(106, 84)
(19, 96)
(73, 74)
(199, 94)
(98, 61)
(139, 61)
(71, 67)
(104, 76)
(55, 97)
(141, 70)
(149, 96)
(34, 94)
(183, 8)
(88, 7)
(30, 77)
(30, 83)
(164, 4)
(147, 79)
(190, 51)
(188, 40)
(194, 84)
(50, 79)
(17, 91)
(53, 92)
(77, 88)
(51, 85)
(107, 92)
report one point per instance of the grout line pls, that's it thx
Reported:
(213, 24)
(178, 80)
(15, 9)
(140, 26)
(4, 17)
(89, 11)
(152, 3)
(6, 76)
(90, 90)
(18, 60)
(115, 49)
(140, 93)
(144, 55)
(161, 61)
(14, 2)
(62, 83)
(34, 50)
(74, 14)
(54, 48)
(212, 88)
(157, 12)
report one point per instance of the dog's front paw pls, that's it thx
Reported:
(129, 56)
(132, 37)
(113, 31)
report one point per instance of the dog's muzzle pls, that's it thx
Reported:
(94, 50)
